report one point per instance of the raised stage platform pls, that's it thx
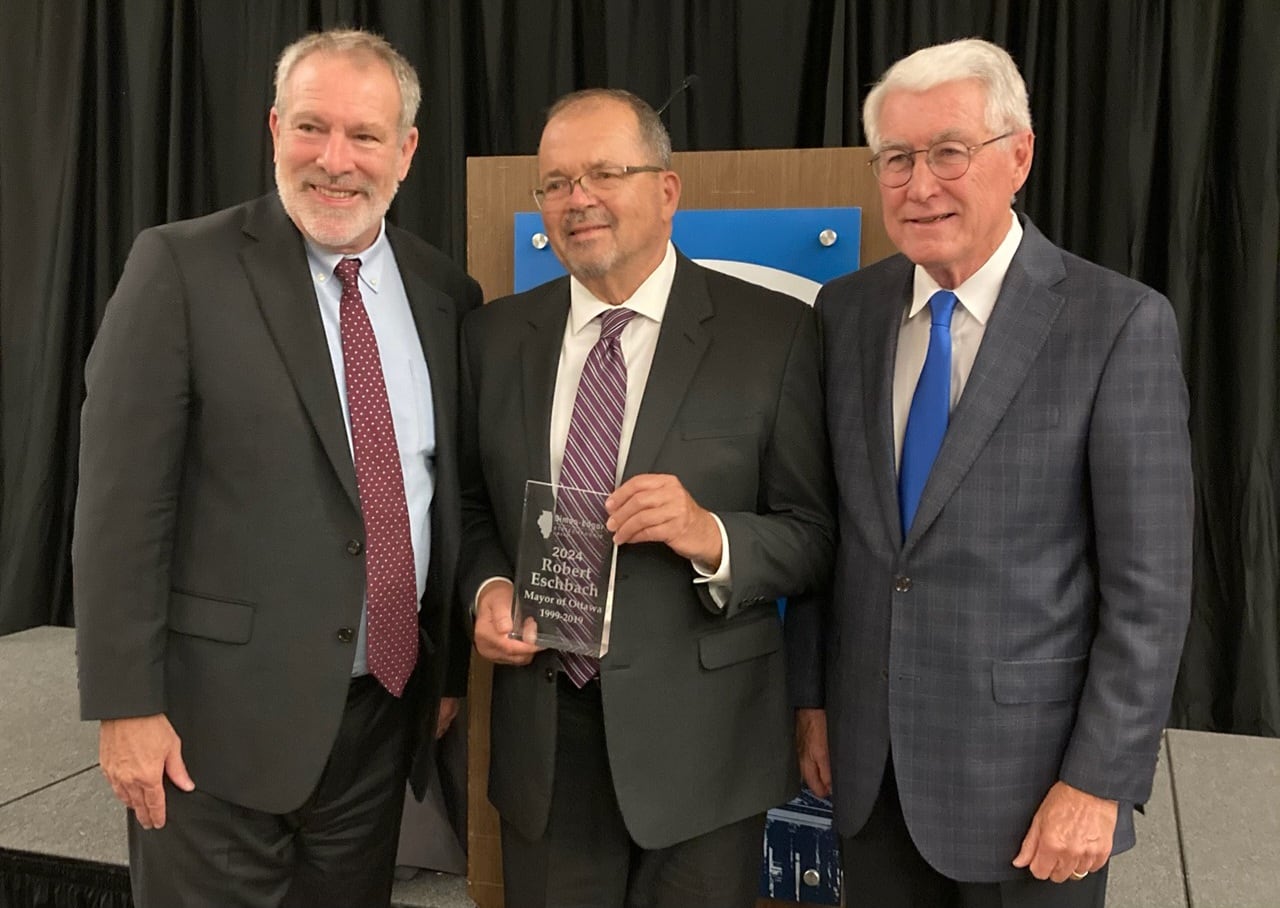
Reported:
(62, 832)
(1210, 837)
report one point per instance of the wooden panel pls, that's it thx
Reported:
(784, 178)
(787, 178)
(497, 187)
(484, 844)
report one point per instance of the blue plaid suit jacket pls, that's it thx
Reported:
(1028, 628)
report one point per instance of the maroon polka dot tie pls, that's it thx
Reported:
(390, 580)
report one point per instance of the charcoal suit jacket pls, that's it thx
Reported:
(697, 720)
(218, 554)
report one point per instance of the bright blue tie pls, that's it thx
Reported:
(930, 408)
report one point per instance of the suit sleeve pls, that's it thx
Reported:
(483, 556)
(786, 548)
(1140, 476)
(132, 439)
(807, 615)
(469, 297)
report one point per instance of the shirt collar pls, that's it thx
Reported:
(373, 261)
(978, 293)
(649, 300)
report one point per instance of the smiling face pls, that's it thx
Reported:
(612, 241)
(950, 227)
(338, 150)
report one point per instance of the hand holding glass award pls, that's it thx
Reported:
(563, 568)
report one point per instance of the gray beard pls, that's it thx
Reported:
(297, 217)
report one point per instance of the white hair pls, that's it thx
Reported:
(1008, 109)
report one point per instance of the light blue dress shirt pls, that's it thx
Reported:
(404, 369)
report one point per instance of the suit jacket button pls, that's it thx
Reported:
(346, 634)
(902, 584)
(551, 675)
(354, 547)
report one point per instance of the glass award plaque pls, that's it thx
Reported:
(563, 569)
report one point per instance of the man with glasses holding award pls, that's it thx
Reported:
(645, 474)
(1009, 435)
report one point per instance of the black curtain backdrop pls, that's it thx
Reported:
(1158, 154)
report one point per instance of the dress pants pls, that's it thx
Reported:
(336, 850)
(586, 858)
(883, 869)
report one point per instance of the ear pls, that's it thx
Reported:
(407, 148)
(273, 124)
(1024, 147)
(670, 193)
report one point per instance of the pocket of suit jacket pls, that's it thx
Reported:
(738, 642)
(224, 620)
(1016, 681)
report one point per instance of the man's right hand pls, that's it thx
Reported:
(811, 750)
(493, 627)
(136, 754)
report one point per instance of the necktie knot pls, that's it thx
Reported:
(941, 305)
(348, 271)
(612, 321)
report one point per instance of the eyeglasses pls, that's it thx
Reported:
(599, 183)
(948, 160)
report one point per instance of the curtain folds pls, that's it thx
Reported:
(38, 881)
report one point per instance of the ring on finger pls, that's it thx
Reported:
(1079, 875)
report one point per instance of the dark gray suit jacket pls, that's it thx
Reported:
(1028, 629)
(217, 553)
(695, 708)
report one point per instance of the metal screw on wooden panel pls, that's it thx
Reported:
(828, 237)
(539, 241)
(811, 877)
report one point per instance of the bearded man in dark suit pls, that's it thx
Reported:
(268, 518)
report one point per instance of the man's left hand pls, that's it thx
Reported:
(1070, 835)
(448, 712)
(654, 507)
(812, 750)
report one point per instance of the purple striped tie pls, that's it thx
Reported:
(591, 454)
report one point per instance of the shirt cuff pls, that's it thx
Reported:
(719, 583)
(475, 603)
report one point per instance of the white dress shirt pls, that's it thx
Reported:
(404, 369)
(977, 299)
(639, 340)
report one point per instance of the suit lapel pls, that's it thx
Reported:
(276, 264)
(682, 340)
(1020, 323)
(539, 362)
(879, 340)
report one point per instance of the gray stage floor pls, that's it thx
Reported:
(53, 799)
(1210, 837)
